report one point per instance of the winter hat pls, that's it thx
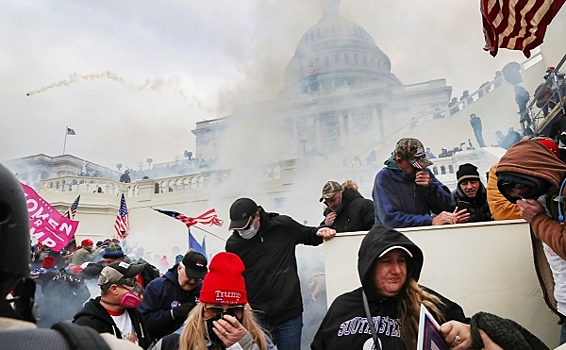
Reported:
(98, 244)
(224, 283)
(87, 243)
(467, 171)
(113, 251)
(551, 146)
(48, 262)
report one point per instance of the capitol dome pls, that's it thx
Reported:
(336, 52)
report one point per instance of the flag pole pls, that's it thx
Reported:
(65, 143)
(210, 233)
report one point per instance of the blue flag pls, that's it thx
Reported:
(194, 244)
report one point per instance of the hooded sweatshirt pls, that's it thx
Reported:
(542, 163)
(95, 316)
(400, 202)
(345, 325)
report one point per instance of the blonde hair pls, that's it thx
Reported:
(410, 299)
(195, 331)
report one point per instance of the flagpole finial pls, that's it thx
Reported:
(330, 6)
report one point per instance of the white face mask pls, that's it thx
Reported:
(248, 233)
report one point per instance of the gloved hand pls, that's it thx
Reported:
(181, 311)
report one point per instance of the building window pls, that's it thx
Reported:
(356, 61)
(363, 124)
(326, 84)
(338, 82)
(346, 59)
(365, 61)
(451, 169)
(435, 170)
(330, 131)
(442, 170)
(336, 59)
(346, 125)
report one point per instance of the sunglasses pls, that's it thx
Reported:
(236, 311)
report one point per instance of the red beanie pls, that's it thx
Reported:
(224, 283)
(48, 262)
(551, 146)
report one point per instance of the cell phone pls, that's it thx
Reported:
(463, 205)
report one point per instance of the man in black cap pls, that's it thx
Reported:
(169, 299)
(346, 209)
(471, 194)
(266, 244)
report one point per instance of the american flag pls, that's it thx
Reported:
(516, 24)
(72, 211)
(121, 224)
(71, 131)
(209, 217)
(314, 66)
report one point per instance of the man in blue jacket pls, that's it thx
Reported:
(169, 299)
(406, 193)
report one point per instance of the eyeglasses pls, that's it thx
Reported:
(211, 311)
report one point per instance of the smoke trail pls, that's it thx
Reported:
(149, 84)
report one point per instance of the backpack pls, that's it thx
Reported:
(66, 286)
(149, 272)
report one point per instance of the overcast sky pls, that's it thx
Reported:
(133, 78)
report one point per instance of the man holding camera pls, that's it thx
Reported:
(471, 194)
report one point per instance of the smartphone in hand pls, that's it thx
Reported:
(463, 205)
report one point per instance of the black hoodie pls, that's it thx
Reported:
(345, 325)
(95, 316)
(355, 214)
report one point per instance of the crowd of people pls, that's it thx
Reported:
(249, 297)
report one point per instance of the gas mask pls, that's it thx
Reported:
(132, 299)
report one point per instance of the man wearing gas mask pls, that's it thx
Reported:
(266, 244)
(17, 316)
(527, 171)
(346, 209)
(114, 311)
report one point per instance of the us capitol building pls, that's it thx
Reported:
(340, 106)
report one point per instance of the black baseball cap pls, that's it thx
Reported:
(241, 212)
(195, 265)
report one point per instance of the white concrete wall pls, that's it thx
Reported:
(481, 266)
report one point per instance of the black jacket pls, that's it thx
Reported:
(478, 209)
(355, 214)
(95, 316)
(271, 276)
(345, 325)
(159, 298)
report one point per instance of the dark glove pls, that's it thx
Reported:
(181, 312)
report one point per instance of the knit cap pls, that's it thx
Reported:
(467, 172)
(113, 251)
(224, 282)
(48, 262)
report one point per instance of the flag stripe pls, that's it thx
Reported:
(121, 224)
(209, 217)
(516, 24)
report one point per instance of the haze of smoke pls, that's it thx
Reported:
(149, 84)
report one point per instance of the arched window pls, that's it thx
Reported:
(356, 61)
(346, 58)
(451, 169)
(336, 59)
(442, 170)
(435, 170)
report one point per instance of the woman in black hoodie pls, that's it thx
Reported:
(389, 266)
